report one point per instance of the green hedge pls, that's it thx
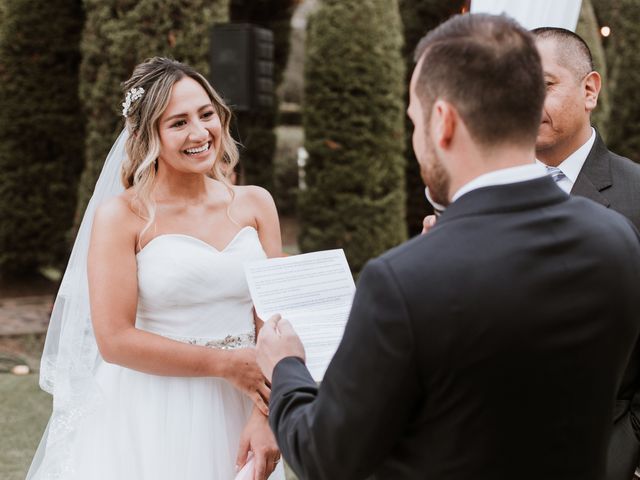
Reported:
(41, 131)
(118, 35)
(354, 130)
(589, 30)
(418, 17)
(623, 129)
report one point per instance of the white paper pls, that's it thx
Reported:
(314, 291)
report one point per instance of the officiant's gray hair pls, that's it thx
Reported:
(489, 68)
(156, 77)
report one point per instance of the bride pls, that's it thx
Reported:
(149, 354)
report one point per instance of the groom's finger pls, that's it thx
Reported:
(285, 327)
(265, 392)
(273, 321)
(267, 333)
(290, 339)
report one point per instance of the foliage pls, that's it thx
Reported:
(118, 35)
(589, 30)
(285, 165)
(41, 131)
(623, 132)
(354, 130)
(418, 17)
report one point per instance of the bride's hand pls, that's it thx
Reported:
(246, 376)
(258, 438)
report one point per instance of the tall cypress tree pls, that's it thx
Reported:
(623, 130)
(354, 128)
(589, 30)
(257, 128)
(418, 17)
(118, 35)
(41, 131)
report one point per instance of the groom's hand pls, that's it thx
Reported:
(428, 223)
(277, 340)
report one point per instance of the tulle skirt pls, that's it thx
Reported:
(149, 427)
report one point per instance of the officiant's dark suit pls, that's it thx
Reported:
(614, 182)
(493, 346)
(610, 180)
(604, 177)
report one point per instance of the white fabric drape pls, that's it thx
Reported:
(533, 13)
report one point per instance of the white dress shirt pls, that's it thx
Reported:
(502, 177)
(572, 165)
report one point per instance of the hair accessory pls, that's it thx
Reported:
(132, 95)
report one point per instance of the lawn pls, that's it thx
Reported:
(24, 411)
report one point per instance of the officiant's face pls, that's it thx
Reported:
(433, 173)
(565, 112)
(189, 129)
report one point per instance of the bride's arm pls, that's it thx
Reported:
(113, 292)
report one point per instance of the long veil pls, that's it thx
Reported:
(70, 351)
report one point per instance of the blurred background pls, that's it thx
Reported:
(327, 135)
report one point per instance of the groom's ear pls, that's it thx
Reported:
(444, 118)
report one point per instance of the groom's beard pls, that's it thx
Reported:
(435, 177)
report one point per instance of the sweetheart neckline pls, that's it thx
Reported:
(199, 240)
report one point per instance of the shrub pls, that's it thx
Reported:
(623, 129)
(41, 131)
(354, 130)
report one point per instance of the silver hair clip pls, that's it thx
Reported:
(132, 95)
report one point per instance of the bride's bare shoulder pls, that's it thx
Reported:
(253, 195)
(118, 212)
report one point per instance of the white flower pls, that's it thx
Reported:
(132, 95)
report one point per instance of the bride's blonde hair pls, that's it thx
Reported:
(157, 76)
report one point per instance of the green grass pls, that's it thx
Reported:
(24, 412)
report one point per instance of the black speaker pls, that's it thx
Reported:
(241, 65)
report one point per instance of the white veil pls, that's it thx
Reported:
(70, 351)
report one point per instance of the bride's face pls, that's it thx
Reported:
(189, 129)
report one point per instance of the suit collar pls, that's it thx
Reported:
(595, 175)
(512, 197)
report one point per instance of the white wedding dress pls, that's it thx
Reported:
(150, 427)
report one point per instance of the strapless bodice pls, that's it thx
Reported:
(189, 290)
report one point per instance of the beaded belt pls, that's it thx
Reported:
(227, 343)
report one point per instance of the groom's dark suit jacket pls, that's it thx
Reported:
(490, 348)
(614, 181)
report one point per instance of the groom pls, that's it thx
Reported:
(492, 347)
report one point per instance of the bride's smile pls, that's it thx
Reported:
(198, 150)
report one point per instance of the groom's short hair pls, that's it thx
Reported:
(488, 67)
